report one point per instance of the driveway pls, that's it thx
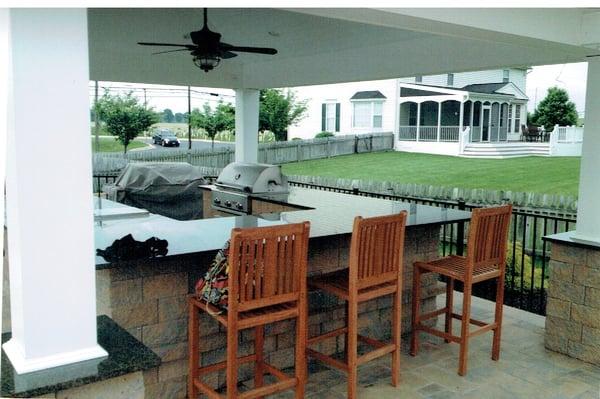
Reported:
(196, 144)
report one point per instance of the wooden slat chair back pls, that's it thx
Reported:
(376, 250)
(266, 266)
(485, 260)
(375, 270)
(267, 283)
(488, 232)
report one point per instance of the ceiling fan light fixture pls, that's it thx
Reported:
(207, 62)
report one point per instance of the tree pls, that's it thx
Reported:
(278, 111)
(124, 117)
(214, 121)
(167, 116)
(180, 118)
(555, 109)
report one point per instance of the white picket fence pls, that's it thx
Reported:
(272, 153)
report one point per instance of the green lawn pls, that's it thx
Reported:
(558, 175)
(109, 144)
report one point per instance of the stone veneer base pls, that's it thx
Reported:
(573, 304)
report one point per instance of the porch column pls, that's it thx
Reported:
(588, 208)
(439, 121)
(49, 222)
(461, 116)
(246, 125)
(418, 120)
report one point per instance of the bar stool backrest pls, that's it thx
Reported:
(488, 233)
(267, 265)
(376, 250)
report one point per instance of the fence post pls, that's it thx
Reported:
(371, 143)
(460, 231)
(298, 152)
(356, 144)
(328, 148)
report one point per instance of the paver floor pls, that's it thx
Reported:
(525, 369)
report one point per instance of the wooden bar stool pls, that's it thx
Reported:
(485, 260)
(267, 283)
(375, 270)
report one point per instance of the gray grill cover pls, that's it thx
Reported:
(164, 188)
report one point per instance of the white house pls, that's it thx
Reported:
(496, 98)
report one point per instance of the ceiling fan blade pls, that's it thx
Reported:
(171, 51)
(189, 46)
(258, 50)
(227, 54)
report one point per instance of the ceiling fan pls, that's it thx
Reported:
(208, 49)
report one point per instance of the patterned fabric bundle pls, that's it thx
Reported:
(213, 287)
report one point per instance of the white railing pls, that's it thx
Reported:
(568, 134)
(428, 133)
(449, 133)
(566, 141)
(407, 133)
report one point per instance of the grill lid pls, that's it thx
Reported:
(252, 178)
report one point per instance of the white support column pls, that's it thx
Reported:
(461, 116)
(49, 221)
(439, 121)
(246, 125)
(588, 204)
(418, 120)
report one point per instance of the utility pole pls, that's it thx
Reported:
(189, 124)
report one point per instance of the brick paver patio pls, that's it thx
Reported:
(525, 369)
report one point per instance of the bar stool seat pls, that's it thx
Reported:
(266, 284)
(337, 283)
(456, 267)
(375, 270)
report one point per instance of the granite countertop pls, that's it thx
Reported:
(568, 238)
(332, 214)
(125, 355)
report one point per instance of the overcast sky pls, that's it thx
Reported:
(571, 77)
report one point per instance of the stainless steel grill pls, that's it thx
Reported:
(238, 180)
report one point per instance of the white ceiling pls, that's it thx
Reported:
(315, 46)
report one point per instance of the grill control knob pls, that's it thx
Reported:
(217, 201)
(227, 203)
(240, 206)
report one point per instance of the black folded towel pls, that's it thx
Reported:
(127, 248)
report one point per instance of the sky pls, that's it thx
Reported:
(571, 77)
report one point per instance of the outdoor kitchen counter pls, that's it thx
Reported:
(332, 214)
(148, 297)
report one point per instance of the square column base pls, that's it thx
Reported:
(14, 352)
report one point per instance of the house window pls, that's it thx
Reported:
(330, 117)
(450, 79)
(505, 76)
(419, 79)
(517, 118)
(367, 114)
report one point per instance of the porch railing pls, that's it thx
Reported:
(429, 133)
(528, 255)
(407, 133)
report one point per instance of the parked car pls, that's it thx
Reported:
(165, 137)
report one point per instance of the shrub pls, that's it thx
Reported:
(296, 138)
(323, 135)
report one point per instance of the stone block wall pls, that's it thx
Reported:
(149, 301)
(573, 307)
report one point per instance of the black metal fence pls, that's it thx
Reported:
(527, 254)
